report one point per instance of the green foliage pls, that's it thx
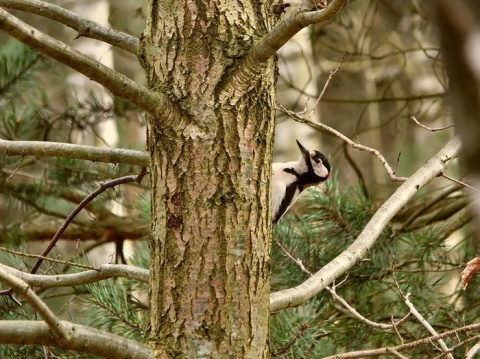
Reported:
(17, 65)
(112, 308)
(416, 262)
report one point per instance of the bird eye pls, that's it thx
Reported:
(317, 160)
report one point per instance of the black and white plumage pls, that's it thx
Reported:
(291, 178)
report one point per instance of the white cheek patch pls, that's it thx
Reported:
(320, 170)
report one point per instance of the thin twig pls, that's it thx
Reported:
(283, 350)
(332, 73)
(52, 260)
(429, 128)
(459, 182)
(344, 138)
(103, 187)
(15, 170)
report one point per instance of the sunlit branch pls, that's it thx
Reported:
(254, 62)
(84, 27)
(298, 295)
(81, 152)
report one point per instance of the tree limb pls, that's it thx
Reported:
(81, 339)
(254, 61)
(23, 289)
(406, 346)
(117, 83)
(82, 152)
(301, 17)
(298, 295)
(90, 276)
(84, 27)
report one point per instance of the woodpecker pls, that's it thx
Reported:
(291, 178)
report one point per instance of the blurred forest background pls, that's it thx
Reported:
(387, 67)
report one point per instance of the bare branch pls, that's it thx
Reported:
(295, 296)
(81, 339)
(330, 77)
(23, 289)
(460, 182)
(118, 84)
(297, 117)
(103, 187)
(84, 27)
(403, 347)
(363, 319)
(69, 280)
(82, 152)
(429, 128)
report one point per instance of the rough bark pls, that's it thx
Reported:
(210, 174)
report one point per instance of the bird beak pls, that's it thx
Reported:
(304, 151)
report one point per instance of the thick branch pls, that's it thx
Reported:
(82, 152)
(83, 26)
(254, 62)
(301, 17)
(295, 296)
(81, 339)
(118, 84)
(69, 280)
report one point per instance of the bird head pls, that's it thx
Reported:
(317, 165)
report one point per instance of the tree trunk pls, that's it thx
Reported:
(210, 177)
